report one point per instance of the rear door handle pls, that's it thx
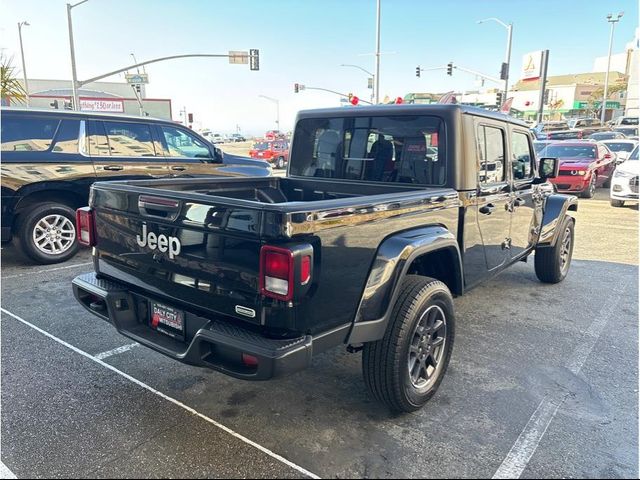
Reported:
(487, 209)
(114, 168)
(178, 168)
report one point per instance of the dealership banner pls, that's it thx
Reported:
(101, 105)
(532, 65)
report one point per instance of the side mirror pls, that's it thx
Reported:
(218, 155)
(548, 168)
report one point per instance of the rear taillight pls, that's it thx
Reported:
(85, 229)
(283, 269)
(276, 272)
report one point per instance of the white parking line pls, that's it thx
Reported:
(116, 351)
(5, 472)
(166, 397)
(47, 270)
(527, 442)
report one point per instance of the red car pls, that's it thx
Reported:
(583, 166)
(276, 152)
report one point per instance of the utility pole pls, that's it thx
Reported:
(74, 73)
(543, 83)
(377, 75)
(277, 102)
(603, 107)
(24, 67)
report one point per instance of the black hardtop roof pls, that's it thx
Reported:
(72, 113)
(408, 109)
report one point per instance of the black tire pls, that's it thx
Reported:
(31, 219)
(590, 191)
(280, 162)
(385, 363)
(617, 203)
(607, 183)
(552, 263)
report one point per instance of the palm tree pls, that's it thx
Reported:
(11, 87)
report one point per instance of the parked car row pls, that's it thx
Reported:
(50, 159)
(583, 128)
(588, 164)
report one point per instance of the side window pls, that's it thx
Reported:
(130, 139)
(521, 156)
(182, 144)
(27, 134)
(97, 140)
(491, 155)
(67, 137)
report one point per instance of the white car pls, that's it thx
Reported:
(624, 183)
(622, 148)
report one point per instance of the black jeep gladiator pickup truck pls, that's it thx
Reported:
(386, 213)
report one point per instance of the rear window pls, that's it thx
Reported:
(261, 146)
(629, 121)
(21, 133)
(570, 151)
(402, 149)
(620, 146)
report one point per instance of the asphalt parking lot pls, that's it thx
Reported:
(543, 383)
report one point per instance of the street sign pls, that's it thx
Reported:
(238, 57)
(137, 78)
(532, 65)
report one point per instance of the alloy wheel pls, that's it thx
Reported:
(54, 234)
(427, 347)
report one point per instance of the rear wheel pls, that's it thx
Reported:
(617, 203)
(552, 263)
(405, 368)
(590, 191)
(47, 234)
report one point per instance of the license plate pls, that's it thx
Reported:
(167, 320)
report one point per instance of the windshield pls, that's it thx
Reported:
(551, 126)
(629, 121)
(403, 149)
(620, 146)
(539, 146)
(634, 154)
(570, 151)
(629, 131)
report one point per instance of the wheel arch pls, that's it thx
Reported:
(555, 208)
(430, 251)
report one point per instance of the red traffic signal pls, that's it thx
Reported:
(353, 100)
(399, 100)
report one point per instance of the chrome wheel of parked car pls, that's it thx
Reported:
(566, 250)
(427, 347)
(54, 234)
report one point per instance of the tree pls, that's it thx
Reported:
(11, 87)
(595, 99)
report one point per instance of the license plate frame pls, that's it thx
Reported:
(167, 320)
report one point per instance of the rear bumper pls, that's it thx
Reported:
(214, 343)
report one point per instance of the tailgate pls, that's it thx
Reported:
(202, 256)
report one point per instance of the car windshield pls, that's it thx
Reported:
(261, 146)
(634, 154)
(570, 151)
(539, 146)
(630, 131)
(547, 127)
(603, 136)
(629, 121)
(620, 146)
(403, 149)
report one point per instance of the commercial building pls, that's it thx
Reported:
(114, 97)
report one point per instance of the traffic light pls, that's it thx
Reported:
(55, 104)
(450, 68)
(254, 59)
(353, 100)
(499, 99)
(418, 71)
(399, 100)
(545, 97)
(296, 88)
(504, 71)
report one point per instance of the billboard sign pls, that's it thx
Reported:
(532, 65)
(102, 105)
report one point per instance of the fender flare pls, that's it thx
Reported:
(555, 208)
(393, 259)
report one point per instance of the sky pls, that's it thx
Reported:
(304, 41)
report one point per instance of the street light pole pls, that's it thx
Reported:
(277, 102)
(74, 74)
(507, 60)
(377, 75)
(372, 75)
(24, 67)
(603, 107)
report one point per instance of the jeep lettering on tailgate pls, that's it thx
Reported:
(161, 242)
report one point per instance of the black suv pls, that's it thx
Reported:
(51, 158)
